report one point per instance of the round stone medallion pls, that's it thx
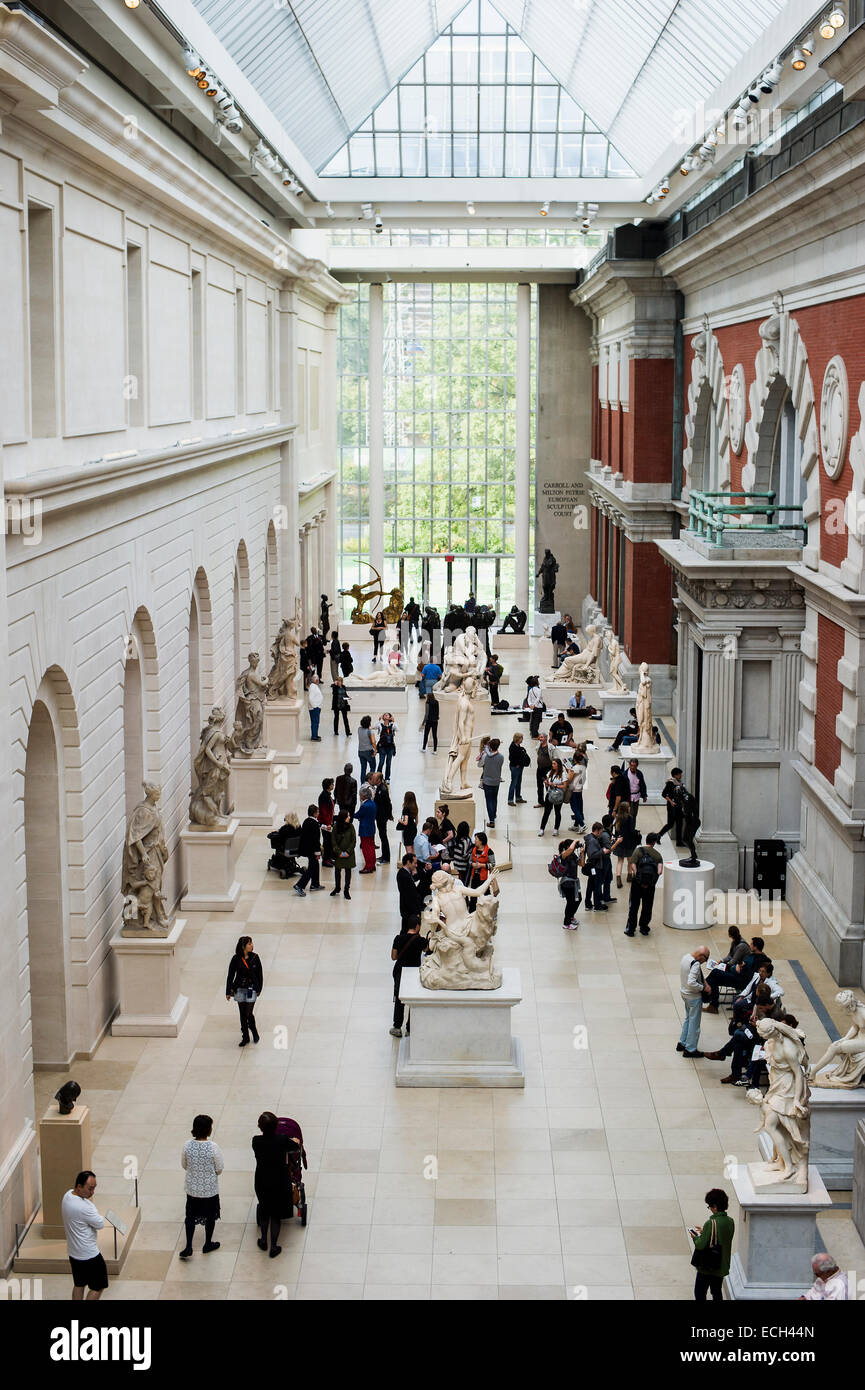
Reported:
(834, 415)
(737, 407)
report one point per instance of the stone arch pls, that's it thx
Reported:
(242, 606)
(706, 392)
(141, 723)
(52, 788)
(200, 659)
(783, 356)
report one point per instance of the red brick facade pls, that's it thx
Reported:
(650, 455)
(830, 649)
(647, 619)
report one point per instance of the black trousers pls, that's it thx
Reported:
(535, 721)
(338, 871)
(310, 873)
(494, 692)
(247, 1020)
(272, 1223)
(570, 891)
(381, 826)
(551, 808)
(344, 720)
(431, 729)
(539, 779)
(376, 642)
(703, 1283)
(326, 844)
(641, 901)
(674, 823)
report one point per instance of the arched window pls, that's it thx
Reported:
(785, 478)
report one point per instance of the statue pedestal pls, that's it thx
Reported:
(64, 1150)
(655, 768)
(208, 858)
(375, 700)
(616, 710)
(148, 976)
(447, 714)
(687, 904)
(835, 1117)
(252, 788)
(282, 729)
(509, 641)
(859, 1181)
(460, 1037)
(556, 695)
(544, 620)
(460, 808)
(776, 1236)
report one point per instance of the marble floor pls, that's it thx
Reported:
(582, 1185)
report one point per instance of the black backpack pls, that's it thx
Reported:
(645, 869)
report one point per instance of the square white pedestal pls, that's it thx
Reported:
(447, 712)
(460, 1037)
(282, 729)
(208, 857)
(556, 695)
(688, 895)
(369, 700)
(544, 620)
(148, 978)
(509, 641)
(835, 1117)
(252, 788)
(616, 710)
(776, 1237)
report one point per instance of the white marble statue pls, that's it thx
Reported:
(212, 769)
(249, 714)
(643, 704)
(785, 1109)
(461, 941)
(845, 1059)
(465, 657)
(284, 655)
(461, 742)
(390, 677)
(145, 855)
(584, 668)
(614, 651)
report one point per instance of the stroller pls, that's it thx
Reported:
(285, 842)
(296, 1162)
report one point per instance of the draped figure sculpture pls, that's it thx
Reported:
(251, 694)
(844, 1059)
(212, 768)
(283, 654)
(584, 668)
(646, 738)
(461, 742)
(785, 1108)
(462, 942)
(614, 651)
(145, 855)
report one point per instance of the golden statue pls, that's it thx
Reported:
(368, 592)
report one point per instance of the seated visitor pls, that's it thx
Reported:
(561, 732)
(628, 733)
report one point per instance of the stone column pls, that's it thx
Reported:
(303, 543)
(286, 524)
(376, 426)
(320, 561)
(523, 443)
(718, 697)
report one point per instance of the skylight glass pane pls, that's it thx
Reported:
(466, 22)
(465, 108)
(517, 156)
(413, 156)
(570, 114)
(491, 156)
(438, 61)
(438, 109)
(465, 60)
(438, 156)
(519, 108)
(338, 166)
(411, 108)
(546, 108)
(492, 108)
(492, 60)
(519, 62)
(465, 156)
(362, 157)
(386, 116)
(491, 20)
(416, 74)
(570, 155)
(543, 156)
(617, 167)
(594, 156)
(387, 156)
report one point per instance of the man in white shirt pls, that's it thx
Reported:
(535, 704)
(764, 976)
(829, 1283)
(692, 988)
(315, 697)
(81, 1221)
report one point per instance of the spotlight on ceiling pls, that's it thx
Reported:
(826, 28)
(379, 225)
(544, 208)
(837, 17)
(807, 45)
(329, 210)
(366, 211)
(132, 4)
(650, 199)
(192, 62)
(470, 208)
(755, 93)
(586, 225)
(799, 60)
(774, 73)
(663, 188)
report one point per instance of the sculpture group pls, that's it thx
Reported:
(785, 1110)
(461, 742)
(461, 942)
(585, 667)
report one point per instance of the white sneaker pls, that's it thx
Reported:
(573, 926)
(540, 834)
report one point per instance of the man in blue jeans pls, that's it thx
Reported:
(693, 989)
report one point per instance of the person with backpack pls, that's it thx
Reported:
(409, 949)
(647, 865)
(386, 731)
(491, 779)
(566, 869)
(461, 851)
(518, 758)
(593, 869)
(340, 705)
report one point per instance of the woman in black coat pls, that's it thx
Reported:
(243, 985)
(272, 1181)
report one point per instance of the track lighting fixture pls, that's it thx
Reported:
(366, 210)
(799, 60)
(837, 17)
(192, 62)
(544, 209)
(663, 188)
(755, 93)
(329, 210)
(379, 225)
(807, 45)
(470, 208)
(132, 4)
(826, 28)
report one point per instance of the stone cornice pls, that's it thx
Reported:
(35, 65)
(831, 598)
(725, 587)
(644, 515)
(614, 282)
(818, 198)
(817, 786)
(63, 489)
(847, 65)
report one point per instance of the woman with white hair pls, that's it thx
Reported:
(830, 1285)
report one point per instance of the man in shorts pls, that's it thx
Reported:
(81, 1221)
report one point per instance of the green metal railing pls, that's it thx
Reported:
(712, 515)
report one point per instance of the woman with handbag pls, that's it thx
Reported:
(243, 985)
(377, 632)
(556, 783)
(712, 1247)
(272, 1181)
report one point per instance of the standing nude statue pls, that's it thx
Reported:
(614, 651)
(646, 739)
(461, 740)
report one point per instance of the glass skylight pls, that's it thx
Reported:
(478, 104)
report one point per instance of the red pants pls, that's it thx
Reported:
(367, 844)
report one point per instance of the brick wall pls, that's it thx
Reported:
(650, 436)
(830, 649)
(648, 604)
